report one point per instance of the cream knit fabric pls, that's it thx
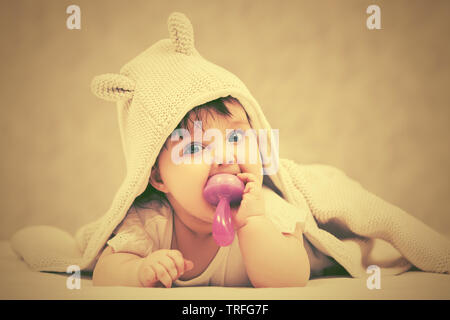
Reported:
(153, 93)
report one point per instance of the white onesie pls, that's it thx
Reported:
(146, 230)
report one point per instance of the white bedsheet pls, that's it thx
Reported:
(17, 281)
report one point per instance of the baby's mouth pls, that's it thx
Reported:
(233, 172)
(235, 205)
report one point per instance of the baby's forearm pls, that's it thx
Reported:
(117, 269)
(272, 259)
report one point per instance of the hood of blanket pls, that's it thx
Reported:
(153, 92)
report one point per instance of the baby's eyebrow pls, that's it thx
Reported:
(240, 122)
(234, 123)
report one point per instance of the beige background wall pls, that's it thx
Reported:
(374, 103)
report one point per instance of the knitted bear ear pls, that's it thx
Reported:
(113, 87)
(181, 33)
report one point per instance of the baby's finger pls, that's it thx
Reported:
(147, 276)
(169, 264)
(246, 176)
(188, 264)
(163, 275)
(177, 258)
(250, 186)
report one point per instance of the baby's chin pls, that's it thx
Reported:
(234, 207)
(202, 223)
(204, 213)
(208, 211)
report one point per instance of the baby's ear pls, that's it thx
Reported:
(113, 87)
(156, 181)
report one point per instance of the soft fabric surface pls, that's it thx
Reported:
(17, 281)
(355, 227)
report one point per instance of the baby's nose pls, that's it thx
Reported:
(227, 157)
(221, 156)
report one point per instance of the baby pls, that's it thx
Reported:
(166, 237)
(183, 120)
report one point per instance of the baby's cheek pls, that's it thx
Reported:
(252, 162)
(189, 181)
(247, 151)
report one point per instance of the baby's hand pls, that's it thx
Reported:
(252, 203)
(161, 267)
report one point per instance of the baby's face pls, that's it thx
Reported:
(183, 183)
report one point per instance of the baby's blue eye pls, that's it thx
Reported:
(192, 148)
(235, 136)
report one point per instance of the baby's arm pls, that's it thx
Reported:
(126, 269)
(273, 259)
(117, 269)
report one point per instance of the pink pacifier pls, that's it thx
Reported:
(221, 190)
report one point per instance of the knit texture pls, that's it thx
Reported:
(153, 92)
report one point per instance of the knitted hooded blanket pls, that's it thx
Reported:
(153, 92)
